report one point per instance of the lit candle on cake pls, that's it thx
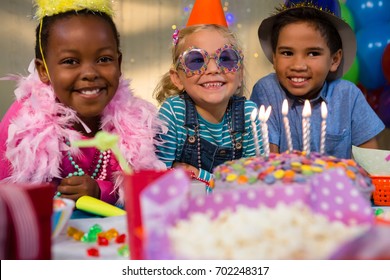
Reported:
(324, 115)
(306, 113)
(287, 125)
(263, 117)
(254, 131)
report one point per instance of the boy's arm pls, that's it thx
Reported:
(264, 93)
(370, 144)
(363, 116)
(273, 148)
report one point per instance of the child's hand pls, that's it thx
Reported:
(76, 186)
(187, 167)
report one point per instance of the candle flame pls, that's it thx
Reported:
(267, 113)
(285, 107)
(261, 112)
(324, 110)
(264, 114)
(254, 115)
(306, 109)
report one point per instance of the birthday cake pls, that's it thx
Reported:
(286, 168)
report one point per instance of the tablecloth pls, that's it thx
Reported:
(65, 247)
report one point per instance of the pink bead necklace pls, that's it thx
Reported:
(98, 168)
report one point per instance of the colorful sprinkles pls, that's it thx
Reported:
(295, 167)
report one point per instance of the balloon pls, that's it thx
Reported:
(367, 12)
(386, 63)
(371, 42)
(362, 88)
(384, 105)
(347, 15)
(372, 96)
(353, 73)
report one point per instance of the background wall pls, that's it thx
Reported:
(146, 28)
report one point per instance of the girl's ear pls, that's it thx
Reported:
(41, 69)
(336, 60)
(176, 79)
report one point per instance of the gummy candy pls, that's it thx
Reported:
(379, 211)
(102, 238)
(102, 241)
(120, 238)
(75, 233)
(93, 252)
(111, 233)
(123, 251)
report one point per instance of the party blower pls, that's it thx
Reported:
(102, 141)
(134, 183)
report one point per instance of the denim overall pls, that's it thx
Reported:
(211, 154)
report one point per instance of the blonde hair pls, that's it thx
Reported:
(165, 88)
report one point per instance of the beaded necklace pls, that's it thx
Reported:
(98, 168)
(235, 144)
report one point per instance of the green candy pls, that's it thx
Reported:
(124, 251)
(307, 172)
(252, 180)
(237, 167)
(379, 211)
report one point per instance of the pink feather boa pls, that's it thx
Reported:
(35, 137)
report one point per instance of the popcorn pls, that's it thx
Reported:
(282, 232)
(225, 227)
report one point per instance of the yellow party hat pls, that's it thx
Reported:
(53, 7)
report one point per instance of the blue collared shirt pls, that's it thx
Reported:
(350, 121)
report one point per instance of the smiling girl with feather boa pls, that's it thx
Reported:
(84, 93)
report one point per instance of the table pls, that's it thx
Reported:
(64, 247)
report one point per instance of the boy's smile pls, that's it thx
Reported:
(302, 59)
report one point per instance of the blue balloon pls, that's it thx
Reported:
(371, 43)
(368, 12)
(332, 6)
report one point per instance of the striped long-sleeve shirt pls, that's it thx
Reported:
(172, 112)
